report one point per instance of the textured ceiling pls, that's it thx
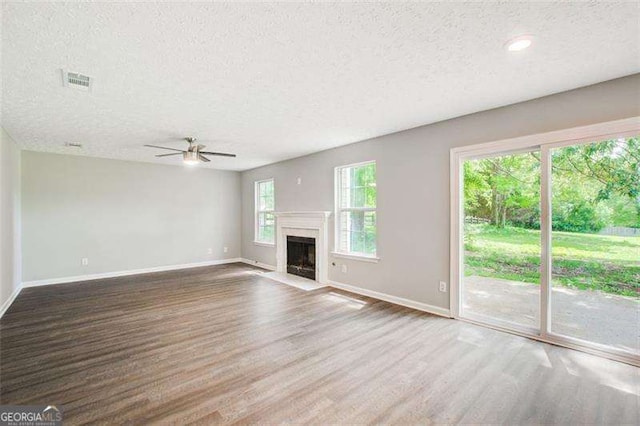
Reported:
(275, 81)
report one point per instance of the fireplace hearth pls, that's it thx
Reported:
(301, 256)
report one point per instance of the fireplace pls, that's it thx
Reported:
(306, 224)
(301, 256)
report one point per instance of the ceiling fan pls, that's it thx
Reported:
(193, 154)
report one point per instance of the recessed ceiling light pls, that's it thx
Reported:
(519, 43)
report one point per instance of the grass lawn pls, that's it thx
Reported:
(583, 261)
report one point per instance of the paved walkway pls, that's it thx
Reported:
(590, 315)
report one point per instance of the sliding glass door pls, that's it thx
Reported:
(546, 241)
(501, 281)
(595, 243)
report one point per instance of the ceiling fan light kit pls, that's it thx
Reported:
(190, 158)
(193, 155)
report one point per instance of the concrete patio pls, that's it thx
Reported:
(590, 315)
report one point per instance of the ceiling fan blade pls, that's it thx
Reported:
(167, 155)
(221, 154)
(203, 158)
(164, 147)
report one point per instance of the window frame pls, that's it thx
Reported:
(258, 211)
(338, 210)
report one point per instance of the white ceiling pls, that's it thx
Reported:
(275, 81)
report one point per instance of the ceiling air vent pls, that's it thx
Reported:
(76, 80)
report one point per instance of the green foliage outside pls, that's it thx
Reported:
(266, 227)
(266, 203)
(582, 261)
(360, 191)
(594, 186)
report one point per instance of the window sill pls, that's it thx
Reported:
(360, 257)
(264, 243)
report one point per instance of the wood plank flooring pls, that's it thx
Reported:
(224, 345)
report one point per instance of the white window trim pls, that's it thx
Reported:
(336, 217)
(544, 142)
(362, 257)
(263, 243)
(257, 211)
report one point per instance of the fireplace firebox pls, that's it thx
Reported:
(301, 256)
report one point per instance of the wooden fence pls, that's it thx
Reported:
(473, 219)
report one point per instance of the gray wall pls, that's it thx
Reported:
(123, 215)
(413, 184)
(10, 274)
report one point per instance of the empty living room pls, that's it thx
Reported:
(324, 213)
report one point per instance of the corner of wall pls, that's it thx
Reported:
(10, 221)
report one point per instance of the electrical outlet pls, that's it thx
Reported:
(226, 249)
(299, 181)
(210, 251)
(344, 269)
(443, 286)
(85, 261)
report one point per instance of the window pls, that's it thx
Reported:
(265, 205)
(356, 209)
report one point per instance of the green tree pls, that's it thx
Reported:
(497, 188)
(594, 185)
(599, 182)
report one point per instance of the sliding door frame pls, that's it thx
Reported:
(545, 142)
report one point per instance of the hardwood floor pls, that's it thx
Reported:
(223, 344)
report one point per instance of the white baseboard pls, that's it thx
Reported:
(9, 301)
(258, 264)
(125, 273)
(436, 310)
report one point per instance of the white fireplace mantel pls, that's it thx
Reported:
(312, 224)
